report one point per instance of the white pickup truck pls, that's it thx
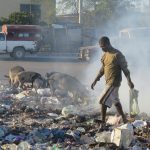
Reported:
(17, 40)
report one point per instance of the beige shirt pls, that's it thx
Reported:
(113, 62)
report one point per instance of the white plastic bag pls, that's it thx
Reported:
(134, 108)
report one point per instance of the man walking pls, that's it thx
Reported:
(113, 63)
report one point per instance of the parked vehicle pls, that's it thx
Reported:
(68, 40)
(56, 40)
(89, 53)
(17, 40)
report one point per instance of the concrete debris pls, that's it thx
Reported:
(104, 137)
(42, 119)
(122, 136)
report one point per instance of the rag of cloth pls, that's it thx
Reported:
(109, 96)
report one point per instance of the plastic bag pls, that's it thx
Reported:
(134, 108)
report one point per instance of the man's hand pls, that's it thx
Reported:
(93, 84)
(131, 85)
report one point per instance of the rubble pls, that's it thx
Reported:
(104, 137)
(37, 119)
(122, 136)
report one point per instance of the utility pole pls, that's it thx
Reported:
(80, 11)
(30, 13)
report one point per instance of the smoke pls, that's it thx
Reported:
(137, 52)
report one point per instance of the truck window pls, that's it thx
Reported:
(2, 37)
(25, 35)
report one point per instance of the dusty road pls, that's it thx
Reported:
(42, 65)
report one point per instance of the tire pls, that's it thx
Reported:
(19, 53)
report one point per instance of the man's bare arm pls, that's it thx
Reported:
(99, 75)
(127, 74)
(123, 64)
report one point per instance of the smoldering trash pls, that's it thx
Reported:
(64, 117)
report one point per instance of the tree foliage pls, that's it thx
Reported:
(48, 14)
(20, 18)
(3, 21)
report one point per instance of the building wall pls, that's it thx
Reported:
(9, 6)
(48, 10)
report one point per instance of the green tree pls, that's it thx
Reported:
(23, 18)
(4, 21)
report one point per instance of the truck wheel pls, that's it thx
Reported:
(19, 53)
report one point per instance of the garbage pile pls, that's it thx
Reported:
(43, 119)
